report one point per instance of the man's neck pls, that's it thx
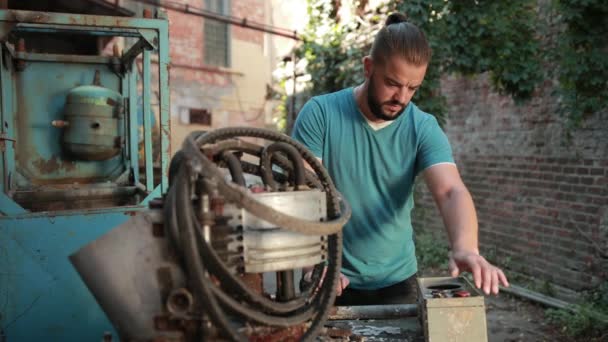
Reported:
(361, 99)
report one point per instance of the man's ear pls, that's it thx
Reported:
(368, 66)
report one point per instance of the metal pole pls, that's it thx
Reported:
(243, 22)
(293, 96)
(285, 286)
(388, 311)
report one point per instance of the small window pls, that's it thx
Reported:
(217, 35)
(200, 116)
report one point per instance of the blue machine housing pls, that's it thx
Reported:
(52, 203)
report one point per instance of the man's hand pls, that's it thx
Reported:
(340, 285)
(485, 275)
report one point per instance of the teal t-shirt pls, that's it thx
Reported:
(375, 171)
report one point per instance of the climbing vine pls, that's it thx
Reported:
(470, 37)
(582, 56)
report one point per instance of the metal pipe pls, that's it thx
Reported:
(537, 297)
(285, 286)
(388, 311)
(243, 22)
(148, 115)
(292, 111)
(549, 301)
(204, 68)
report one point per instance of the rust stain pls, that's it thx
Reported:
(47, 166)
(24, 16)
(254, 281)
(65, 183)
(69, 165)
(53, 165)
(265, 334)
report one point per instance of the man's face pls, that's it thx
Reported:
(391, 86)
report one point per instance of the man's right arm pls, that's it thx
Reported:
(309, 128)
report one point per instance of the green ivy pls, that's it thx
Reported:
(582, 53)
(471, 37)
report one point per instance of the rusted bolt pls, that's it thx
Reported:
(180, 301)
(147, 13)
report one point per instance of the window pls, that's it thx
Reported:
(200, 116)
(217, 37)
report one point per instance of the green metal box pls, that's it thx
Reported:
(446, 317)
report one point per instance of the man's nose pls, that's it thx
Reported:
(401, 95)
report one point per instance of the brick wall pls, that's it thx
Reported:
(541, 197)
(253, 10)
(226, 92)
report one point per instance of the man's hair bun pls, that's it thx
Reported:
(395, 18)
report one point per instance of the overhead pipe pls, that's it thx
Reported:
(243, 22)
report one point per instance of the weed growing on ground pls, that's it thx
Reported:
(590, 318)
(431, 251)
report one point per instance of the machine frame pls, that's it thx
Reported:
(41, 295)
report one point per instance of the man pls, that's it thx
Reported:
(374, 142)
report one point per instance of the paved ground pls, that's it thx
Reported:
(510, 319)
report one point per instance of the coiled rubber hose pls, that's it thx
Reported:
(193, 165)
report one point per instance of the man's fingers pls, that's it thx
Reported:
(454, 271)
(476, 270)
(344, 281)
(495, 280)
(503, 278)
(487, 277)
(341, 284)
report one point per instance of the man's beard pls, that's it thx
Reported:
(376, 107)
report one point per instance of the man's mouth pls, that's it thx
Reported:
(394, 107)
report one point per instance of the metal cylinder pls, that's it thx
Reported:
(93, 114)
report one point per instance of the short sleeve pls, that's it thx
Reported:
(309, 128)
(433, 146)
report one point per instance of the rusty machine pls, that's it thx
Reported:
(163, 251)
(199, 254)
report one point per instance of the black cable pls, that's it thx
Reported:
(239, 195)
(200, 258)
(256, 150)
(193, 261)
(294, 157)
(235, 168)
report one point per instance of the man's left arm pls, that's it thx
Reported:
(458, 212)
